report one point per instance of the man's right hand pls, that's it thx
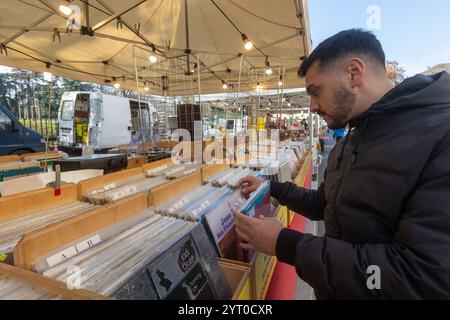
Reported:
(249, 184)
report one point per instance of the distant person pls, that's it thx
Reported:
(385, 199)
(338, 134)
(322, 135)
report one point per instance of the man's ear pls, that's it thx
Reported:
(355, 69)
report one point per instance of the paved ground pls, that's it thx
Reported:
(304, 291)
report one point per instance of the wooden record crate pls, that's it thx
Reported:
(22, 204)
(240, 278)
(52, 286)
(50, 238)
(96, 182)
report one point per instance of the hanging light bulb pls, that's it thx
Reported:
(248, 45)
(117, 85)
(65, 9)
(280, 82)
(224, 85)
(268, 67)
(146, 88)
(153, 58)
(48, 76)
(258, 87)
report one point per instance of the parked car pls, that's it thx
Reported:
(15, 138)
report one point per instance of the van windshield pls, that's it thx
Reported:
(67, 110)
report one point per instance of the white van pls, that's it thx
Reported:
(99, 120)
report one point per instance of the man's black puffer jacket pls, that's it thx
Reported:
(385, 201)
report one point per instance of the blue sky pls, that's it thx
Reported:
(415, 33)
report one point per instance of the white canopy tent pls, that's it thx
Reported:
(438, 68)
(96, 43)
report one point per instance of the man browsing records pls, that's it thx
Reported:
(385, 199)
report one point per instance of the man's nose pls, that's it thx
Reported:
(314, 106)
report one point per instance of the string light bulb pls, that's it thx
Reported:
(48, 76)
(269, 68)
(280, 82)
(224, 85)
(117, 85)
(248, 45)
(153, 58)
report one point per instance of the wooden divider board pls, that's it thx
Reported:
(136, 162)
(106, 179)
(46, 240)
(22, 204)
(156, 164)
(42, 156)
(41, 180)
(13, 158)
(212, 170)
(19, 165)
(55, 287)
(163, 194)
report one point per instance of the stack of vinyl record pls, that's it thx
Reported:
(181, 171)
(12, 231)
(125, 190)
(159, 171)
(15, 289)
(140, 183)
(231, 177)
(171, 250)
(90, 195)
(195, 204)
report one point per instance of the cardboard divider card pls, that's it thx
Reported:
(72, 251)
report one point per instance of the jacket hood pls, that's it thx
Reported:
(415, 92)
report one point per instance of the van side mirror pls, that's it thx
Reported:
(16, 125)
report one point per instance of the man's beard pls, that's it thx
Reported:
(343, 100)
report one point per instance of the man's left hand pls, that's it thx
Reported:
(259, 234)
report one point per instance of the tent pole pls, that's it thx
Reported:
(86, 19)
(139, 99)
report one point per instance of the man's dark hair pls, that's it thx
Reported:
(348, 42)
